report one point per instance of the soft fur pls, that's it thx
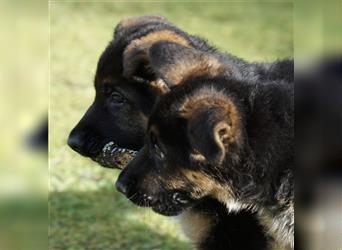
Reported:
(126, 89)
(218, 135)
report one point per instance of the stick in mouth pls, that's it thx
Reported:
(113, 156)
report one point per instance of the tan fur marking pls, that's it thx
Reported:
(207, 98)
(198, 65)
(143, 44)
(195, 225)
(206, 186)
(197, 157)
(160, 86)
(163, 35)
(277, 228)
(175, 183)
(203, 184)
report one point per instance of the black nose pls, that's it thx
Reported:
(122, 186)
(75, 142)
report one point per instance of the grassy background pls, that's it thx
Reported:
(86, 212)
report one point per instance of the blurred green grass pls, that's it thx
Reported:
(85, 210)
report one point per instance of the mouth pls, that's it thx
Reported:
(168, 210)
(174, 205)
(113, 156)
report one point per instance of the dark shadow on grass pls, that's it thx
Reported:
(103, 220)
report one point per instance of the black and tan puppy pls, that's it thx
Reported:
(126, 89)
(216, 136)
(115, 123)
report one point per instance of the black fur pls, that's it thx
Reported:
(122, 123)
(237, 230)
(258, 158)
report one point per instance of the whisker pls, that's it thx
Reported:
(132, 196)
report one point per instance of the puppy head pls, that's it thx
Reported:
(194, 133)
(114, 125)
(205, 107)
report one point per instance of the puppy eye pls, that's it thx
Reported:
(117, 98)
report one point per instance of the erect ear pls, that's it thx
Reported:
(207, 133)
(213, 125)
(175, 63)
(136, 59)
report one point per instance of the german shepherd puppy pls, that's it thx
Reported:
(114, 125)
(215, 135)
